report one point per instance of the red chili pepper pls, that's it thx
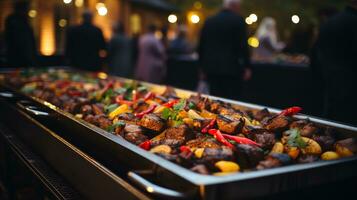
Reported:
(171, 103)
(145, 145)
(120, 100)
(291, 111)
(148, 96)
(63, 84)
(149, 110)
(219, 137)
(209, 126)
(74, 93)
(240, 140)
(185, 149)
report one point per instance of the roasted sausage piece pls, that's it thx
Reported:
(265, 139)
(128, 117)
(153, 122)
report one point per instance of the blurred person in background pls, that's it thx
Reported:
(20, 45)
(180, 46)
(84, 44)
(268, 39)
(119, 53)
(223, 51)
(336, 50)
(151, 59)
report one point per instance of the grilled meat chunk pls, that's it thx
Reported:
(98, 120)
(200, 102)
(307, 158)
(140, 106)
(203, 142)
(175, 136)
(212, 155)
(277, 123)
(86, 109)
(274, 160)
(128, 117)
(260, 115)
(229, 125)
(98, 109)
(152, 122)
(248, 155)
(134, 134)
(265, 139)
(325, 141)
(309, 130)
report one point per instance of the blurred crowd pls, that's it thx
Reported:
(223, 53)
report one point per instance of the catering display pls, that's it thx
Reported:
(207, 136)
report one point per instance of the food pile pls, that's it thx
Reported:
(206, 136)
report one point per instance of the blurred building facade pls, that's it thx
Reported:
(51, 18)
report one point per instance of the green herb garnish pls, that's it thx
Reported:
(295, 139)
(169, 114)
(180, 105)
(191, 105)
(112, 127)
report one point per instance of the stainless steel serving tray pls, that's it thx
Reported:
(177, 181)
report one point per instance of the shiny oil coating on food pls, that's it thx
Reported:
(204, 135)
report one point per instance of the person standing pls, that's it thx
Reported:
(151, 60)
(20, 45)
(119, 53)
(223, 51)
(84, 44)
(336, 50)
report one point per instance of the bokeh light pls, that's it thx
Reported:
(32, 13)
(195, 18)
(67, 1)
(172, 18)
(253, 42)
(295, 19)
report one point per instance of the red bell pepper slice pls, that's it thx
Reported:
(219, 137)
(74, 93)
(209, 126)
(185, 148)
(134, 96)
(149, 110)
(145, 145)
(291, 111)
(148, 96)
(171, 103)
(240, 140)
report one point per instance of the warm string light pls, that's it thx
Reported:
(67, 1)
(295, 19)
(101, 9)
(172, 18)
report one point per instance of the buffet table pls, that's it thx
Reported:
(98, 163)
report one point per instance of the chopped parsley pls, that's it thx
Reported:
(110, 108)
(295, 139)
(191, 105)
(169, 114)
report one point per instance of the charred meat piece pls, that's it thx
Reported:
(309, 130)
(98, 109)
(265, 139)
(325, 141)
(176, 136)
(203, 142)
(170, 93)
(229, 125)
(201, 169)
(152, 122)
(216, 105)
(200, 102)
(248, 155)
(274, 160)
(199, 124)
(307, 158)
(98, 120)
(277, 123)
(128, 117)
(86, 109)
(299, 124)
(134, 134)
(261, 114)
(213, 155)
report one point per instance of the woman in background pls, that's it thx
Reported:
(268, 39)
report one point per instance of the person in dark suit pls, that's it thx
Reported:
(223, 51)
(84, 44)
(336, 51)
(20, 45)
